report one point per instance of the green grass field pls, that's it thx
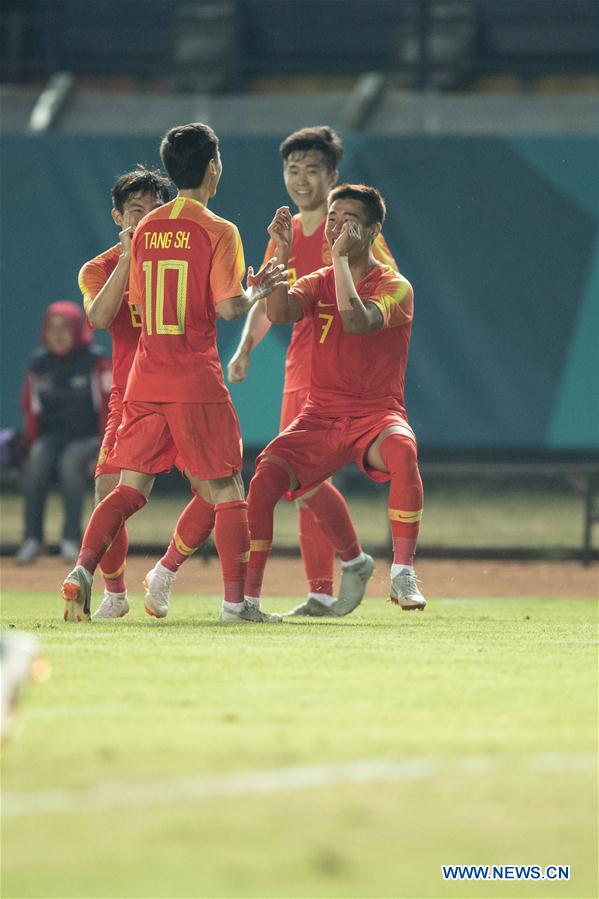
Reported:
(183, 758)
(455, 514)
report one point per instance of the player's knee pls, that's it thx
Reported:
(226, 490)
(127, 500)
(104, 484)
(399, 454)
(269, 483)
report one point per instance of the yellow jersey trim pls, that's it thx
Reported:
(177, 208)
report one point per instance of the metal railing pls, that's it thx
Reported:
(226, 45)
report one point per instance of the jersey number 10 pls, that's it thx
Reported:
(159, 326)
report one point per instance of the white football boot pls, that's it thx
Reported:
(248, 612)
(405, 592)
(352, 588)
(77, 594)
(313, 608)
(158, 583)
(114, 605)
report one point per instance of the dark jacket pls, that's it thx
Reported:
(67, 395)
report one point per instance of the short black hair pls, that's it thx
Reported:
(368, 196)
(140, 181)
(186, 151)
(317, 137)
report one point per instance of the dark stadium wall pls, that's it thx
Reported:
(499, 238)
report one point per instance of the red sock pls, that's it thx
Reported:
(112, 562)
(195, 525)
(268, 485)
(232, 538)
(331, 512)
(107, 518)
(318, 552)
(405, 496)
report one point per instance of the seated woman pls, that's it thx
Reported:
(64, 404)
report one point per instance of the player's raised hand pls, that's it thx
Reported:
(350, 236)
(238, 367)
(266, 279)
(125, 237)
(281, 229)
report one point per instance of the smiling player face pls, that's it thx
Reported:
(135, 207)
(307, 179)
(348, 210)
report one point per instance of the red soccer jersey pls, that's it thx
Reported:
(354, 374)
(126, 325)
(184, 261)
(307, 255)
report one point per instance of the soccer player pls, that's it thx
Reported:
(360, 312)
(104, 284)
(186, 269)
(311, 160)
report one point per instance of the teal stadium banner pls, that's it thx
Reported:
(498, 236)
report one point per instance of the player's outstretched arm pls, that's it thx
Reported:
(270, 277)
(255, 328)
(105, 305)
(356, 317)
(283, 308)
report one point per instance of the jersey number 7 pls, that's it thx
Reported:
(328, 321)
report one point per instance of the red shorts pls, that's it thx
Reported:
(292, 405)
(115, 416)
(316, 446)
(202, 438)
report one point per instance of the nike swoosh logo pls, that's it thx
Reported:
(320, 303)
